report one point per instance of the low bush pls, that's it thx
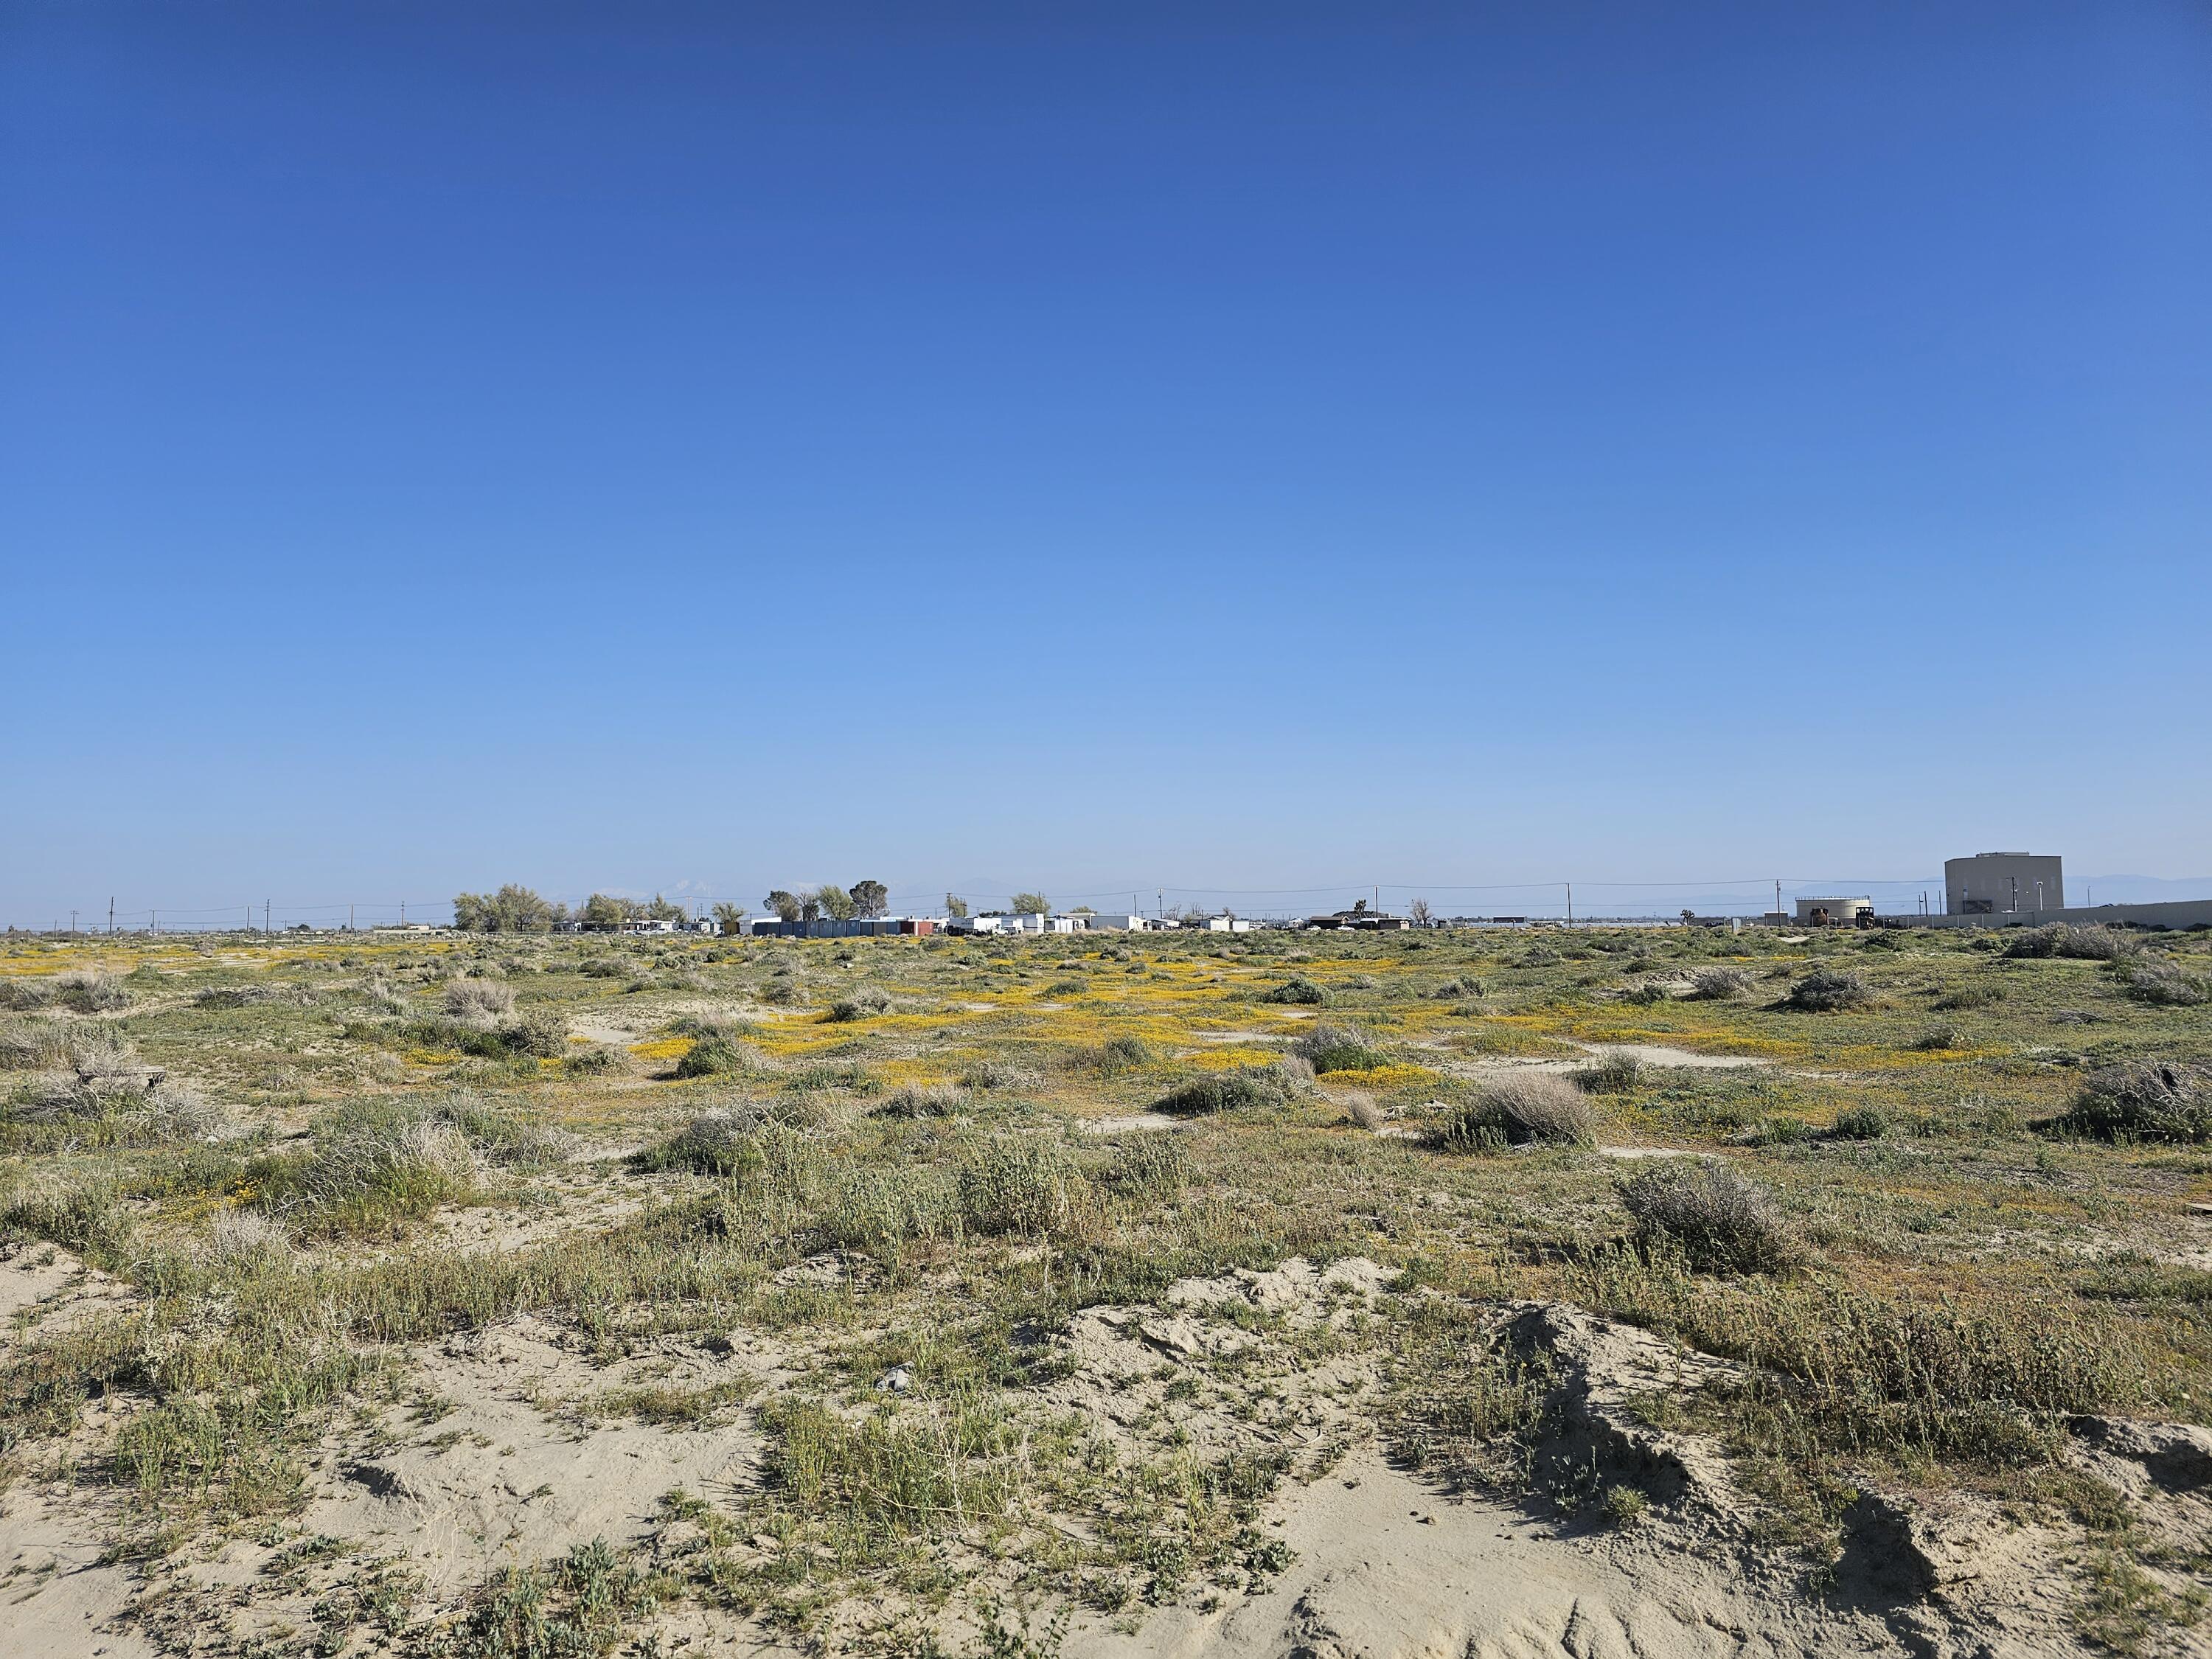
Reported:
(1983, 994)
(915, 1101)
(1112, 1057)
(88, 990)
(1650, 993)
(479, 1000)
(2094, 942)
(2156, 980)
(1211, 1092)
(1338, 1048)
(1155, 1166)
(1515, 1110)
(720, 1056)
(1829, 990)
(1718, 984)
(858, 1005)
(1935, 1038)
(1618, 1074)
(719, 1142)
(371, 1169)
(1298, 990)
(1720, 1220)
(2142, 1100)
(1860, 1123)
(1019, 1183)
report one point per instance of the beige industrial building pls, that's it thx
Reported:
(1999, 883)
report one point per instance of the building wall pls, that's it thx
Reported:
(2179, 914)
(1991, 877)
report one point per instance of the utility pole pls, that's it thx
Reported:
(348, 918)
(1570, 904)
(111, 916)
(264, 919)
(72, 924)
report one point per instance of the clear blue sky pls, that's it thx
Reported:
(1088, 445)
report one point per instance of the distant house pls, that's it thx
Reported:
(983, 924)
(1224, 924)
(1116, 923)
(1359, 916)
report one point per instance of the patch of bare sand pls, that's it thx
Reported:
(44, 1289)
(484, 1476)
(1385, 1566)
(59, 1597)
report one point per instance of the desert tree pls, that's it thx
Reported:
(789, 907)
(603, 912)
(663, 910)
(1418, 913)
(871, 899)
(833, 902)
(511, 909)
(955, 905)
(730, 917)
(1030, 904)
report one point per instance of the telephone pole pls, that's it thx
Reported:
(264, 919)
(111, 917)
(72, 924)
(1570, 904)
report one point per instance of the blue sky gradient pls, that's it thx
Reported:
(1229, 447)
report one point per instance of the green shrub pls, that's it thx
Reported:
(1019, 1183)
(719, 1142)
(719, 1056)
(373, 1168)
(1112, 1057)
(1829, 990)
(2142, 1100)
(1983, 994)
(1861, 1123)
(1338, 1048)
(858, 1005)
(1720, 1220)
(1298, 990)
(1153, 1166)
(1618, 1074)
(2094, 942)
(1213, 1092)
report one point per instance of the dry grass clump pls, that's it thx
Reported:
(1718, 984)
(1019, 1183)
(249, 1241)
(2142, 1100)
(481, 1002)
(1720, 1220)
(1520, 1110)
(1338, 1048)
(371, 1172)
(1155, 1167)
(916, 1100)
(1829, 990)
(1112, 1057)
(88, 990)
(33, 1044)
(2158, 981)
(1982, 995)
(999, 1075)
